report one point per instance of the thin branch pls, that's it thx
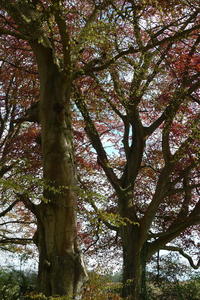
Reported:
(17, 222)
(20, 241)
(6, 169)
(194, 99)
(92, 244)
(92, 203)
(188, 257)
(18, 67)
(27, 202)
(174, 230)
(99, 65)
(181, 190)
(9, 208)
(4, 31)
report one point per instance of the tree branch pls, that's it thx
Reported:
(64, 34)
(174, 230)
(188, 257)
(3, 213)
(99, 65)
(4, 31)
(27, 203)
(96, 142)
(20, 241)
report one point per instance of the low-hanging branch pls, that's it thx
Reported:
(188, 257)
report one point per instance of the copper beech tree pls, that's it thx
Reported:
(128, 72)
(19, 154)
(141, 116)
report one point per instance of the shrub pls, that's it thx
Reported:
(14, 284)
(188, 290)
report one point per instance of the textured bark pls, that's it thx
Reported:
(61, 271)
(132, 272)
(134, 252)
(134, 265)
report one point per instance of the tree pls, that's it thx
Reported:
(19, 154)
(120, 63)
(147, 107)
(61, 270)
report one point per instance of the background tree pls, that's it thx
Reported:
(147, 108)
(19, 153)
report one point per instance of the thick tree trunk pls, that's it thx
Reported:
(134, 264)
(61, 271)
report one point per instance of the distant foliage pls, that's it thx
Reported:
(17, 285)
(101, 287)
(14, 284)
(188, 290)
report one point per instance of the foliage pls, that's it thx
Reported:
(169, 268)
(188, 290)
(14, 284)
(101, 287)
(126, 79)
(172, 279)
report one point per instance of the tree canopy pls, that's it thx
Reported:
(100, 97)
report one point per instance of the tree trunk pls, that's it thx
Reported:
(61, 271)
(134, 264)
